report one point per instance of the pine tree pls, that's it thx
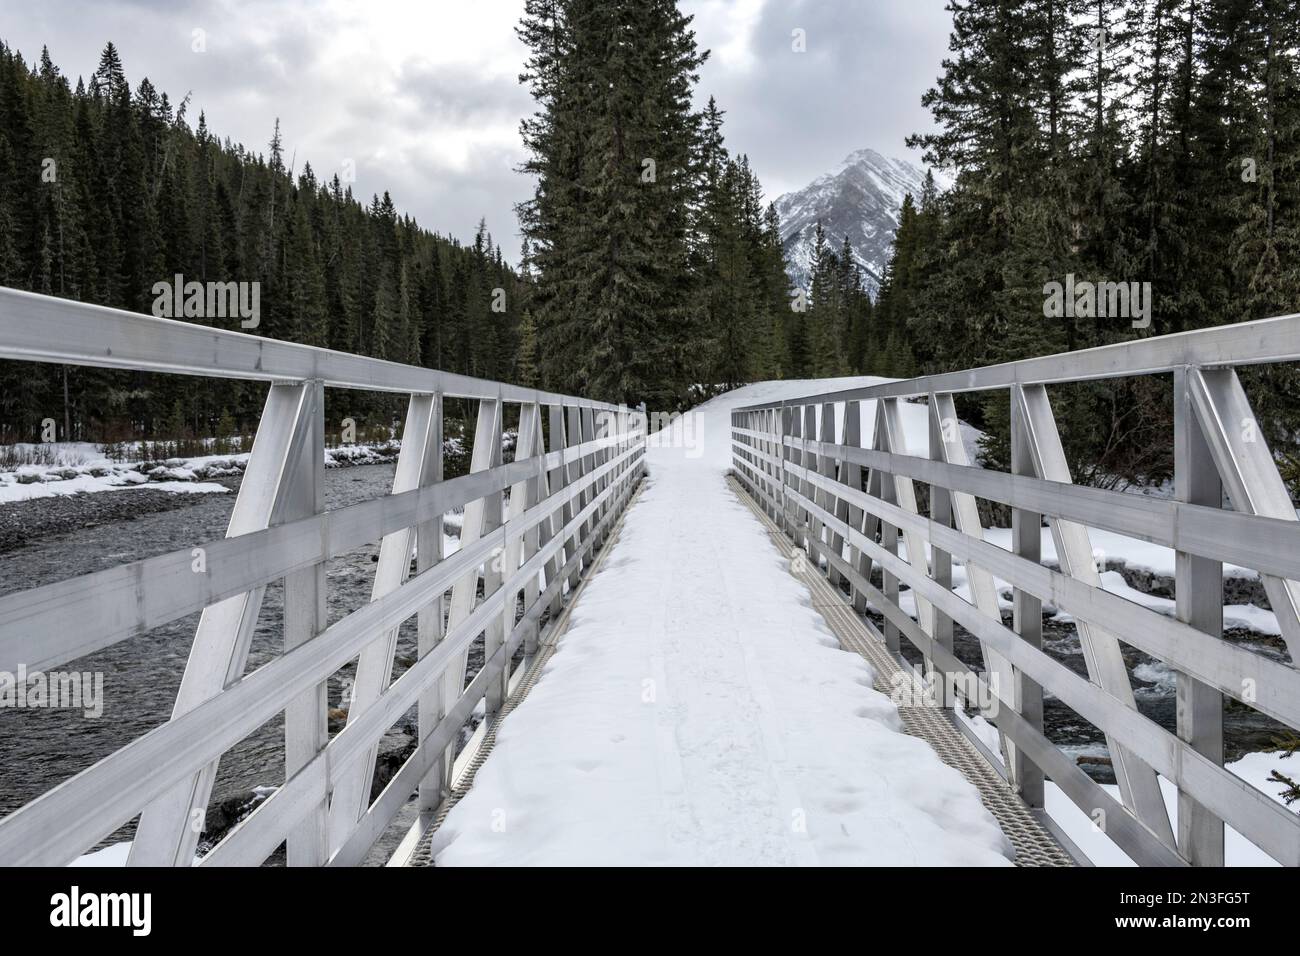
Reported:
(988, 135)
(774, 293)
(826, 332)
(526, 363)
(618, 255)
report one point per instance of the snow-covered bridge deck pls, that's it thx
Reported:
(700, 710)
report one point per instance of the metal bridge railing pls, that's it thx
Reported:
(530, 528)
(803, 460)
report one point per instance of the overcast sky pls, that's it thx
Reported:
(422, 96)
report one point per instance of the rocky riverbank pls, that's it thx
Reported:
(130, 490)
(22, 522)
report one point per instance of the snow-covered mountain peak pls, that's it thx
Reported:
(860, 198)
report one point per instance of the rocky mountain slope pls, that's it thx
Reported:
(860, 199)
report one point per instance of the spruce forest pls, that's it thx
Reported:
(650, 242)
(139, 196)
(1153, 142)
(647, 241)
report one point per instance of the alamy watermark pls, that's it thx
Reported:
(934, 689)
(177, 299)
(1102, 300)
(55, 690)
(679, 430)
(133, 911)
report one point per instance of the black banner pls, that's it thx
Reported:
(266, 906)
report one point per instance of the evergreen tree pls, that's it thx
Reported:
(655, 267)
(526, 363)
(826, 331)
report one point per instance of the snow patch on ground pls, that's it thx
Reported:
(11, 492)
(112, 855)
(1234, 615)
(1143, 556)
(1134, 552)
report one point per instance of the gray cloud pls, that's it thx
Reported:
(423, 97)
(859, 83)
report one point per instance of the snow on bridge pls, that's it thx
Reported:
(699, 711)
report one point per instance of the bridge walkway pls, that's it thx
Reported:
(1036, 842)
(697, 706)
(694, 702)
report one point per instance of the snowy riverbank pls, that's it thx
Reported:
(76, 468)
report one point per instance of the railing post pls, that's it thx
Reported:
(881, 485)
(494, 634)
(828, 434)
(1027, 542)
(794, 461)
(851, 475)
(169, 826)
(577, 470)
(618, 424)
(518, 548)
(806, 487)
(590, 461)
(600, 430)
(769, 421)
(429, 622)
(941, 560)
(623, 423)
(537, 535)
(415, 469)
(738, 420)
(548, 484)
(306, 727)
(1198, 598)
(643, 433)
(564, 514)
(784, 430)
(740, 445)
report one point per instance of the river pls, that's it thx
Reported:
(40, 747)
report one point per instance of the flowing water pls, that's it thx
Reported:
(40, 747)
